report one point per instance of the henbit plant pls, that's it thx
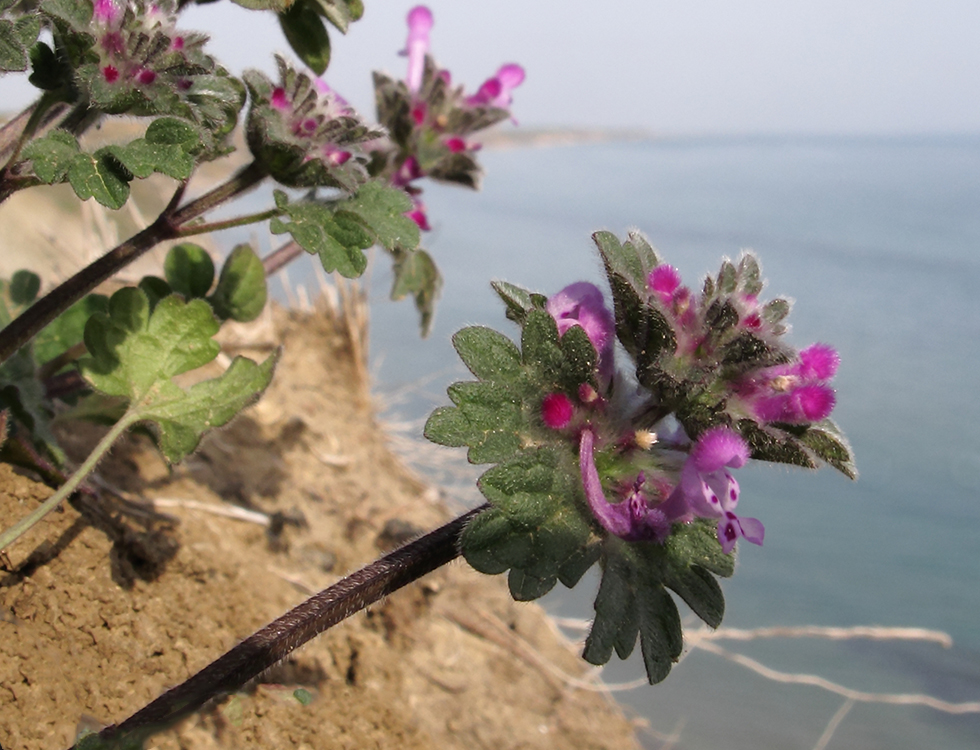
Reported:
(590, 465)
(711, 385)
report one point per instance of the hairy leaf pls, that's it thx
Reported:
(306, 34)
(317, 230)
(488, 354)
(189, 270)
(241, 292)
(381, 210)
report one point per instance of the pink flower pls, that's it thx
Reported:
(556, 410)
(708, 490)
(795, 393)
(495, 92)
(664, 281)
(418, 215)
(106, 12)
(633, 518)
(581, 304)
(419, 24)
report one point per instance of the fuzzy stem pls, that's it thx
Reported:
(14, 532)
(275, 641)
(239, 221)
(166, 227)
(33, 122)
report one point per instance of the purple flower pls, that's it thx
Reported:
(708, 490)
(495, 92)
(417, 46)
(581, 304)
(794, 393)
(633, 518)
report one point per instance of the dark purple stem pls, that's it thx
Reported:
(275, 641)
(166, 227)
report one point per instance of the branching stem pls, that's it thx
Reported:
(275, 641)
(166, 227)
(238, 221)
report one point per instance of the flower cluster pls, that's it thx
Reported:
(141, 54)
(654, 483)
(430, 122)
(304, 133)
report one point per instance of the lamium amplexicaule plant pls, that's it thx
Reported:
(592, 463)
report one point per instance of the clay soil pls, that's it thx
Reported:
(104, 607)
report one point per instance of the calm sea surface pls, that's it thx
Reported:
(878, 242)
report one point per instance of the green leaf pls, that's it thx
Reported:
(24, 286)
(517, 299)
(189, 270)
(340, 12)
(241, 292)
(168, 147)
(775, 310)
(67, 329)
(539, 346)
(661, 639)
(22, 395)
(77, 15)
(640, 326)
(614, 606)
(448, 426)
(578, 564)
(100, 176)
(771, 444)
(699, 589)
(48, 71)
(155, 289)
(416, 274)
(183, 418)
(525, 587)
(381, 210)
(827, 441)
(15, 39)
(316, 230)
(134, 354)
(306, 34)
(52, 156)
(579, 361)
(488, 354)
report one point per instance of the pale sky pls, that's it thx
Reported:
(672, 67)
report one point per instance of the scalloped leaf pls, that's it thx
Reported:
(381, 210)
(488, 354)
(339, 243)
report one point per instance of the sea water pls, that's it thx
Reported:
(878, 243)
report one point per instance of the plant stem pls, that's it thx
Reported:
(33, 122)
(9, 536)
(166, 227)
(239, 221)
(280, 257)
(275, 641)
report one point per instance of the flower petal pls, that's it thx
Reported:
(752, 530)
(613, 518)
(718, 447)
